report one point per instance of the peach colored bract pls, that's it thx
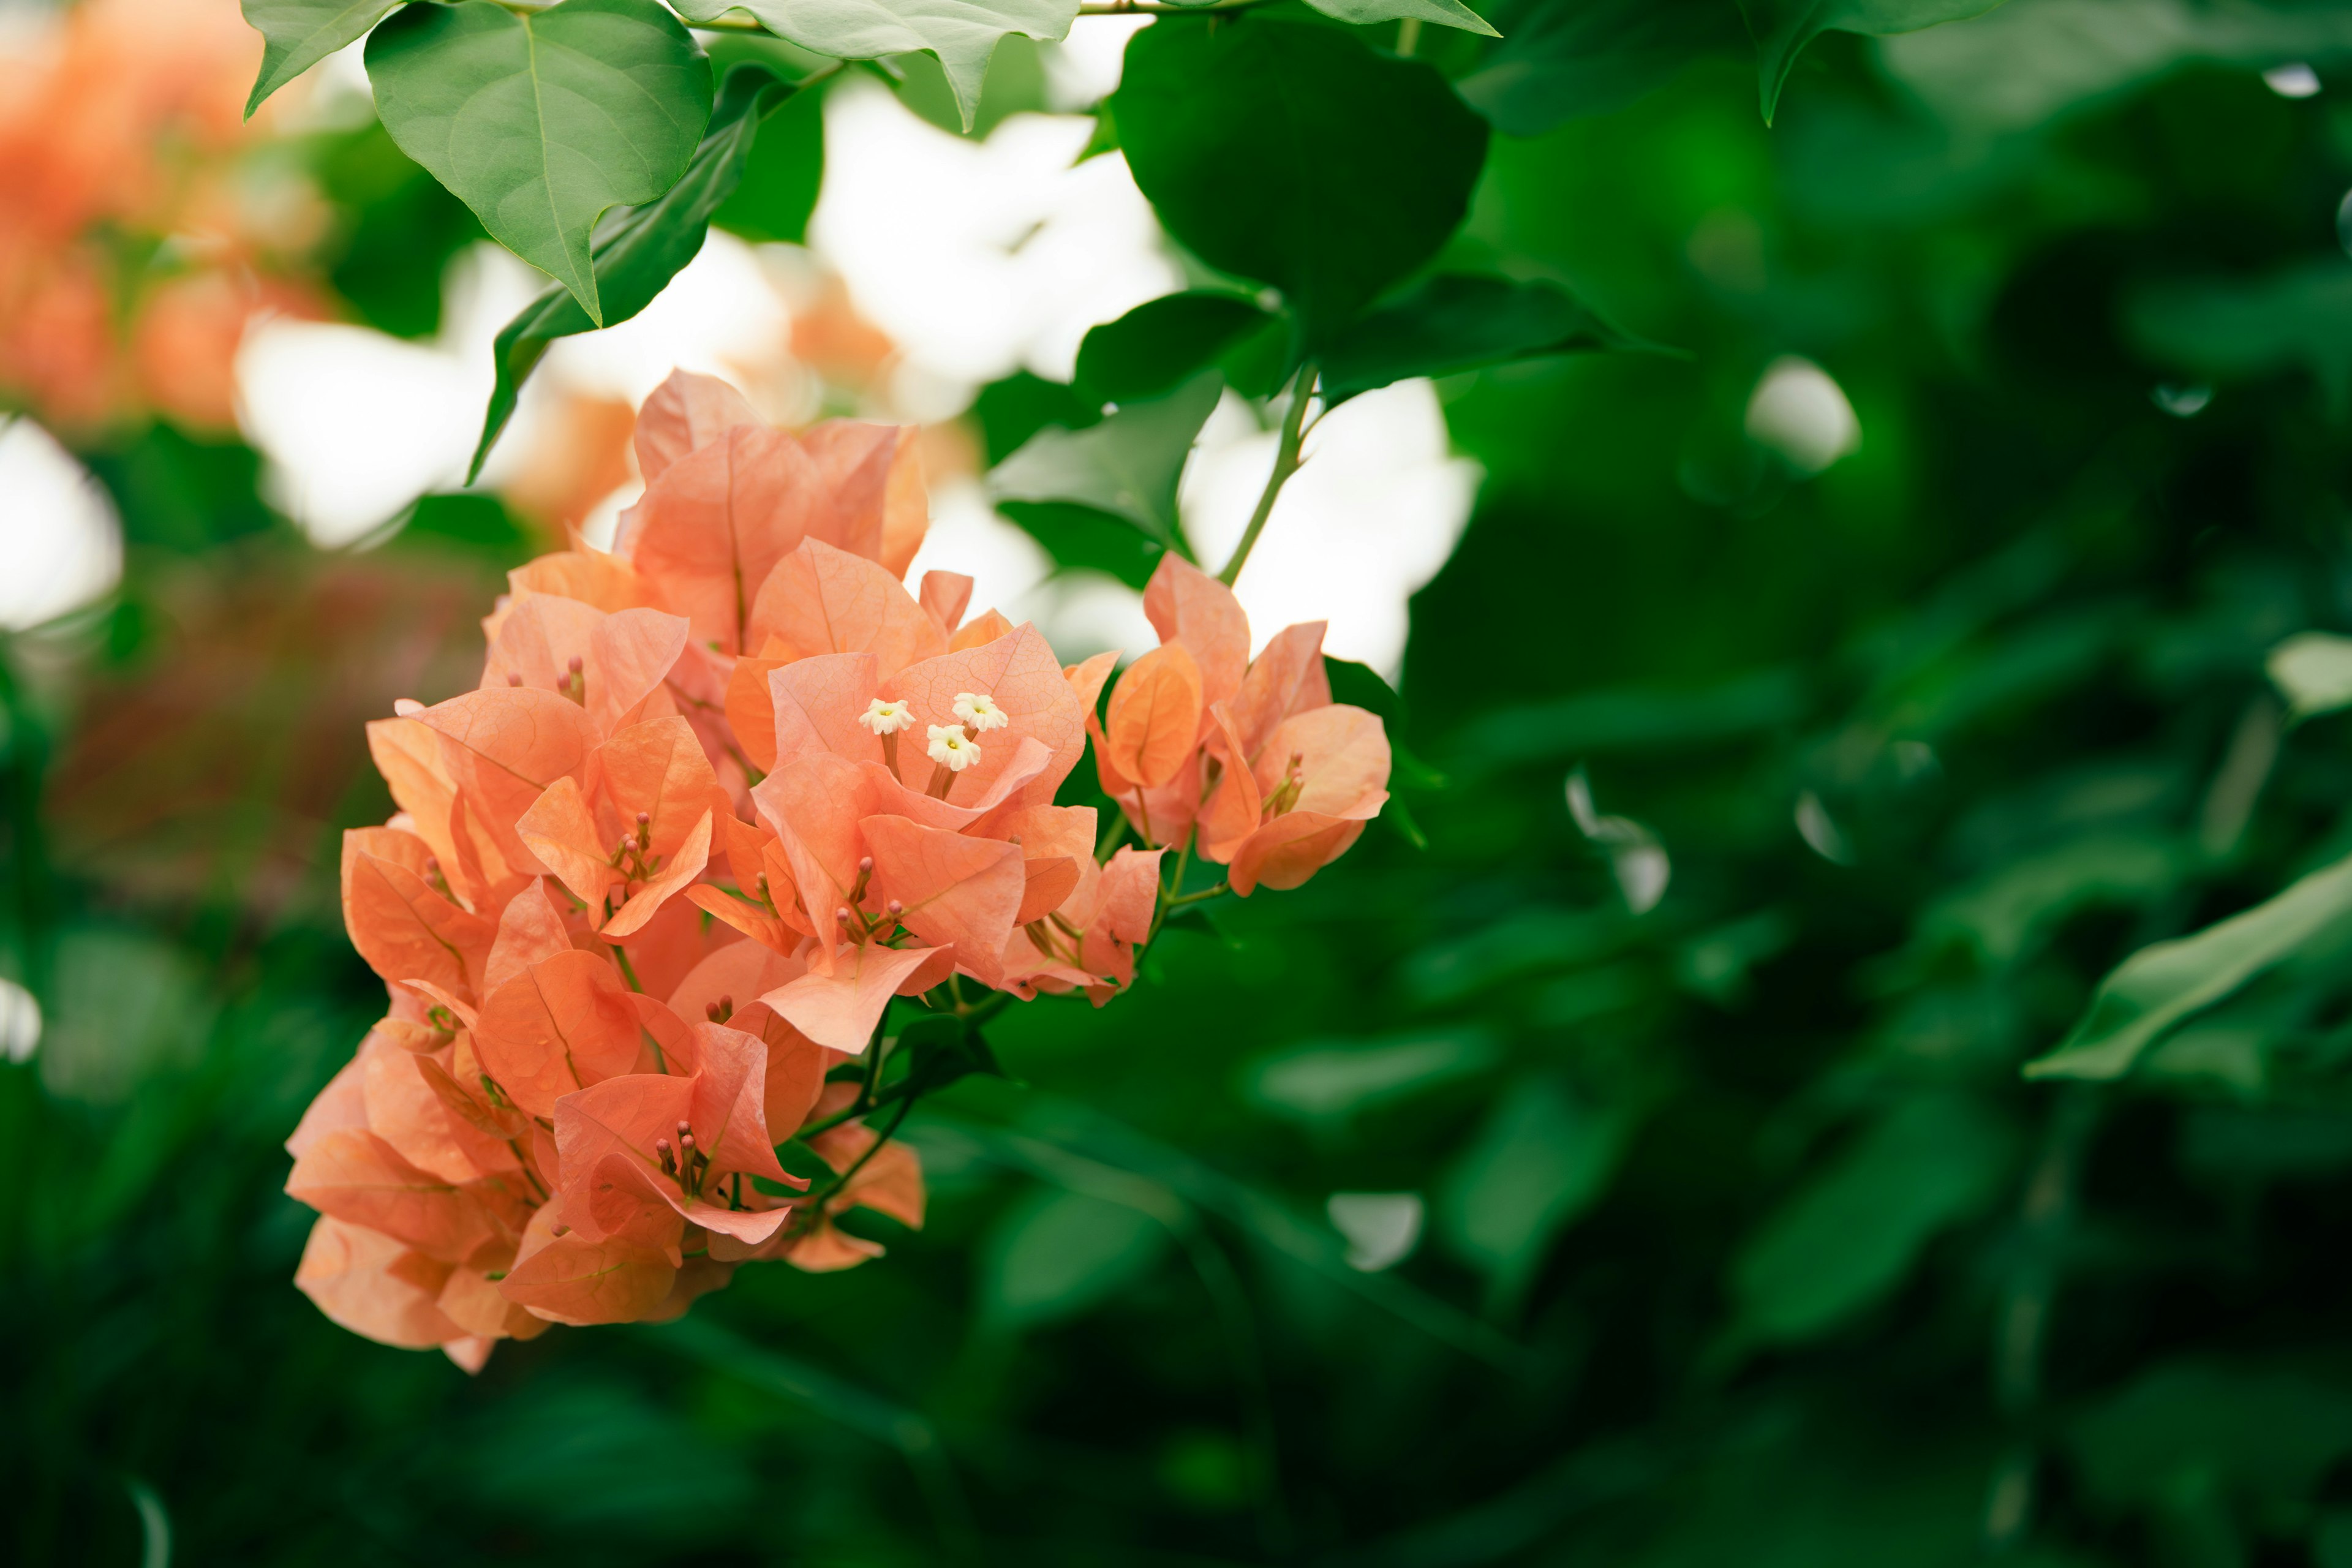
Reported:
(723, 792)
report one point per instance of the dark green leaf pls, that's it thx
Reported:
(1570, 58)
(644, 250)
(1126, 465)
(298, 33)
(543, 123)
(939, 1048)
(1783, 29)
(961, 34)
(1292, 153)
(1011, 410)
(1081, 538)
(407, 228)
(1162, 343)
(1062, 1253)
(2159, 986)
(1458, 322)
(777, 193)
(1851, 1236)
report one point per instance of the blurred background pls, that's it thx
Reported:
(1621, 1156)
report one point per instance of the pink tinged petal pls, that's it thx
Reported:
(749, 919)
(567, 1023)
(980, 630)
(404, 929)
(684, 413)
(820, 599)
(815, 704)
(685, 864)
(728, 1115)
(562, 833)
(879, 509)
(1019, 672)
(1234, 806)
(839, 1010)
(750, 709)
(1291, 848)
(621, 1116)
(750, 1226)
(591, 576)
(342, 1106)
(538, 640)
(405, 1111)
(629, 656)
(984, 816)
(568, 1278)
(939, 962)
(1086, 678)
(945, 597)
(622, 1199)
(1286, 673)
(1343, 760)
(408, 755)
(359, 1177)
(348, 1271)
(1057, 844)
(504, 748)
(1189, 607)
(958, 892)
(714, 523)
(1154, 718)
(531, 930)
(658, 769)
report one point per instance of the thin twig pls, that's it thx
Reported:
(1285, 463)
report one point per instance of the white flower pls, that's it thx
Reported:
(951, 747)
(885, 718)
(979, 710)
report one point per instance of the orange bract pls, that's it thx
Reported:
(723, 795)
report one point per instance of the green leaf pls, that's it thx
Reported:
(298, 33)
(1080, 537)
(1850, 1236)
(1062, 1253)
(1011, 410)
(1573, 59)
(543, 123)
(2238, 329)
(1126, 465)
(776, 195)
(644, 251)
(1292, 154)
(1783, 29)
(2159, 986)
(1161, 343)
(1327, 1082)
(1444, 12)
(961, 34)
(1542, 1159)
(939, 1050)
(2313, 671)
(1458, 322)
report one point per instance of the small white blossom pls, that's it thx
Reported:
(951, 747)
(885, 718)
(978, 709)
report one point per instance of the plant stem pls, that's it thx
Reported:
(1408, 37)
(621, 957)
(1285, 463)
(1203, 896)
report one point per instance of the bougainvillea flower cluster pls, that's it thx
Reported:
(723, 792)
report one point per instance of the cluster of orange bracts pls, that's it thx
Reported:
(722, 794)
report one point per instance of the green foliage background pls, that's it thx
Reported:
(1749, 1241)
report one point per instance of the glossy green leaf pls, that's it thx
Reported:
(1783, 29)
(644, 250)
(1080, 537)
(542, 123)
(1458, 322)
(298, 33)
(1126, 465)
(1444, 13)
(2238, 329)
(961, 34)
(1572, 58)
(1851, 1234)
(1294, 154)
(2161, 985)
(1062, 1253)
(777, 194)
(1161, 343)
(1542, 1159)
